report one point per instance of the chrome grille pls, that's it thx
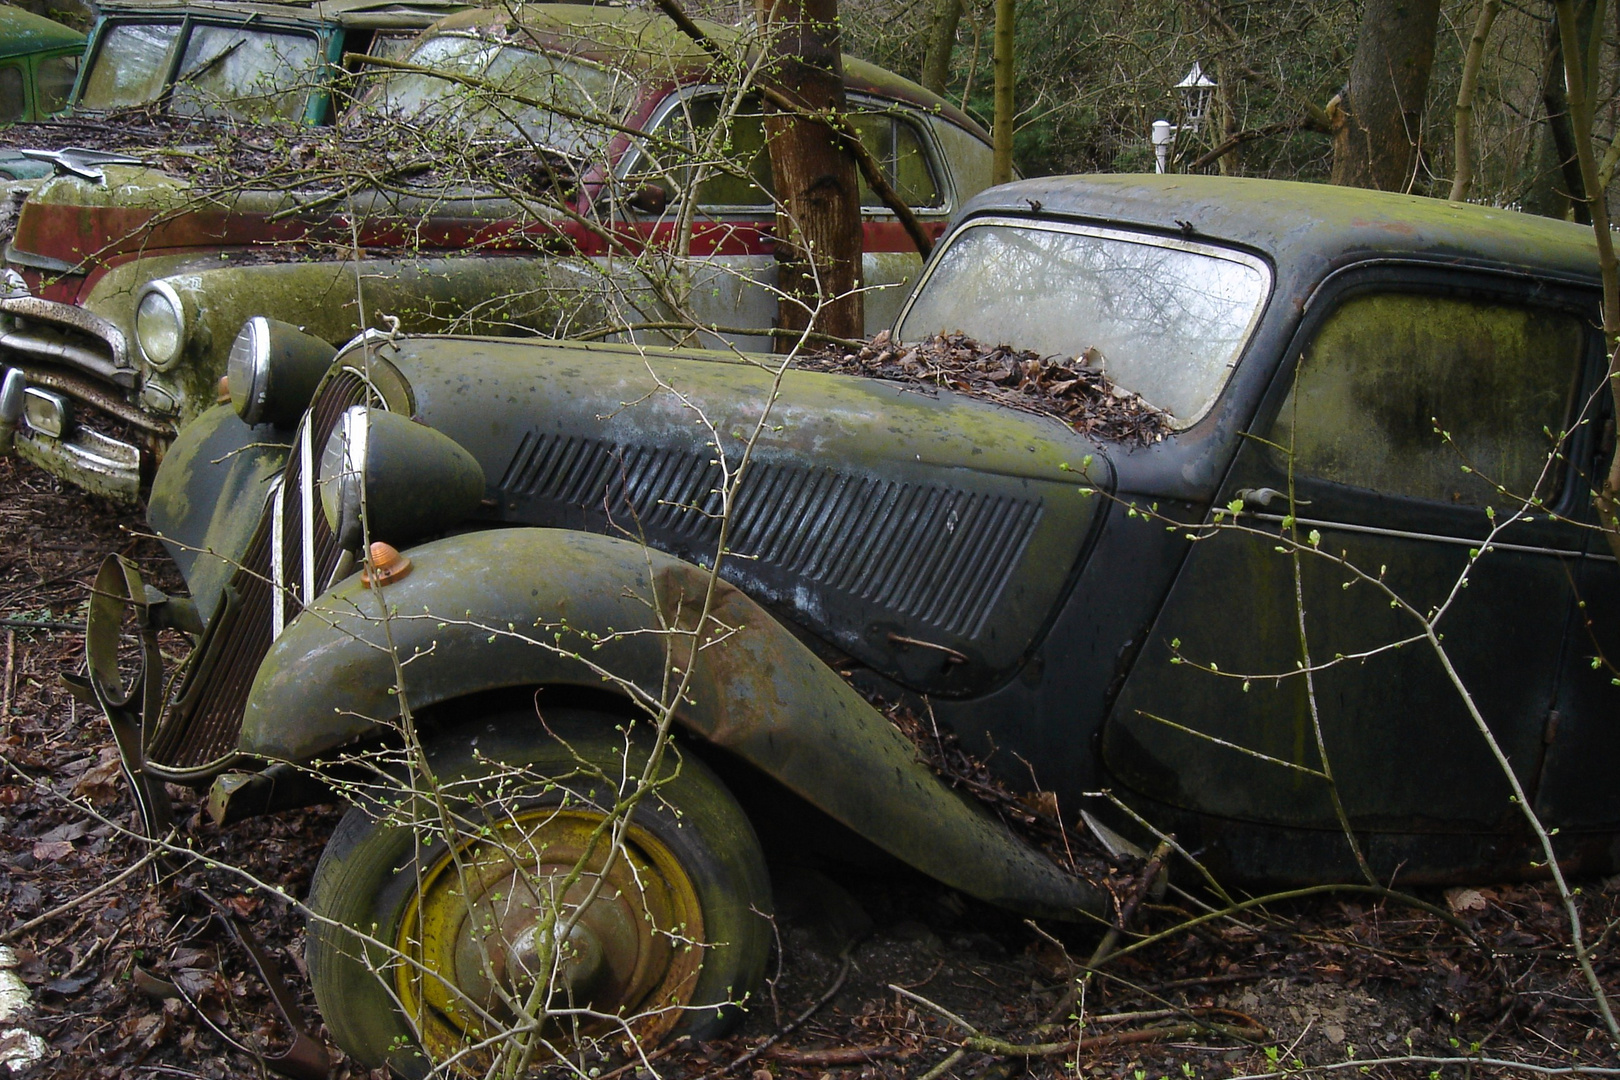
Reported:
(197, 735)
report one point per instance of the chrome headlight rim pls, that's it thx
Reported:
(247, 369)
(181, 329)
(340, 476)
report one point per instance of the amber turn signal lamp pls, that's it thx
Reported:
(224, 395)
(387, 565)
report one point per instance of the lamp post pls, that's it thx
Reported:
(1195, 91)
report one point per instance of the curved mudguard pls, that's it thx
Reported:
(534, 607)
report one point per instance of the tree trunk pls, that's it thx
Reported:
(1377, 137)
(818, 220)
(1002, 129)
(936, 71)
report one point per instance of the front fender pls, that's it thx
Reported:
(521, 607)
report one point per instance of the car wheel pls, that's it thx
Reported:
(423, 951)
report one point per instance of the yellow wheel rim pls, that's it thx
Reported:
(475, 939)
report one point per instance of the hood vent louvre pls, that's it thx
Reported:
(925, 553)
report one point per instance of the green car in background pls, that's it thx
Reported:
(39, 60)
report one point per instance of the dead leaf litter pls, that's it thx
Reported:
(1072, 390)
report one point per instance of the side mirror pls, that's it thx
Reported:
(649, 199)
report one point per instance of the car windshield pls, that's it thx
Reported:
(225, 71)
(501, 90)
(1166, 319)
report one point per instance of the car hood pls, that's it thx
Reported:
(929, 536)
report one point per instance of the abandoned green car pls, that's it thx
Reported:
(39, 59)
(1242, 624)
(586, 169)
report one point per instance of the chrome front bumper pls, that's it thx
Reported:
(78, 372)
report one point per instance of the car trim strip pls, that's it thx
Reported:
(278, 567)
(1463, 541)
(306, 496)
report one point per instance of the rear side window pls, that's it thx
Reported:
(740, 174)
(897, 147)
(54, 83)
(1434, 397)
(12, 99)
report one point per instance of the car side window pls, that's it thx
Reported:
(745, 181)
(12, 99)
(53, 83)
(1437, 397)
(899, 148)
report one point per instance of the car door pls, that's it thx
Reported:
(1425, 408)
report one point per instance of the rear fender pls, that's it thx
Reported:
(540, 607)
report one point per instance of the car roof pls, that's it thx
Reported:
(408, 14)
(23, 32)
(650, 41)
(1294, 222)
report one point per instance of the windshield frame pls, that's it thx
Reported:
(1143, 237)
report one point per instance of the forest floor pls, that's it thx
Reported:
(1329, 984)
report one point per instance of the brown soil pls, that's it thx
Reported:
(1326, 977)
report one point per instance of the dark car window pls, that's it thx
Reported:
(246, 74)
(53, 83)
(130, 66)
(1164, 318)
(12, 99)
(900, 150)
(1432, 396)
(739, 174)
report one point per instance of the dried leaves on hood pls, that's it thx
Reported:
(1071, 390)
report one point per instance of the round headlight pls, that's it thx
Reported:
(160, 325)
(273, 370)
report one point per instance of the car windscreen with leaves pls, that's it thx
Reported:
(130, 66)
(1166, 319)
(242, 73)
(498, 91)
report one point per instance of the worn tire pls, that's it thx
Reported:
(690, 841)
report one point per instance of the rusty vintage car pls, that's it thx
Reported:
(1398, 396)
(540, 186)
